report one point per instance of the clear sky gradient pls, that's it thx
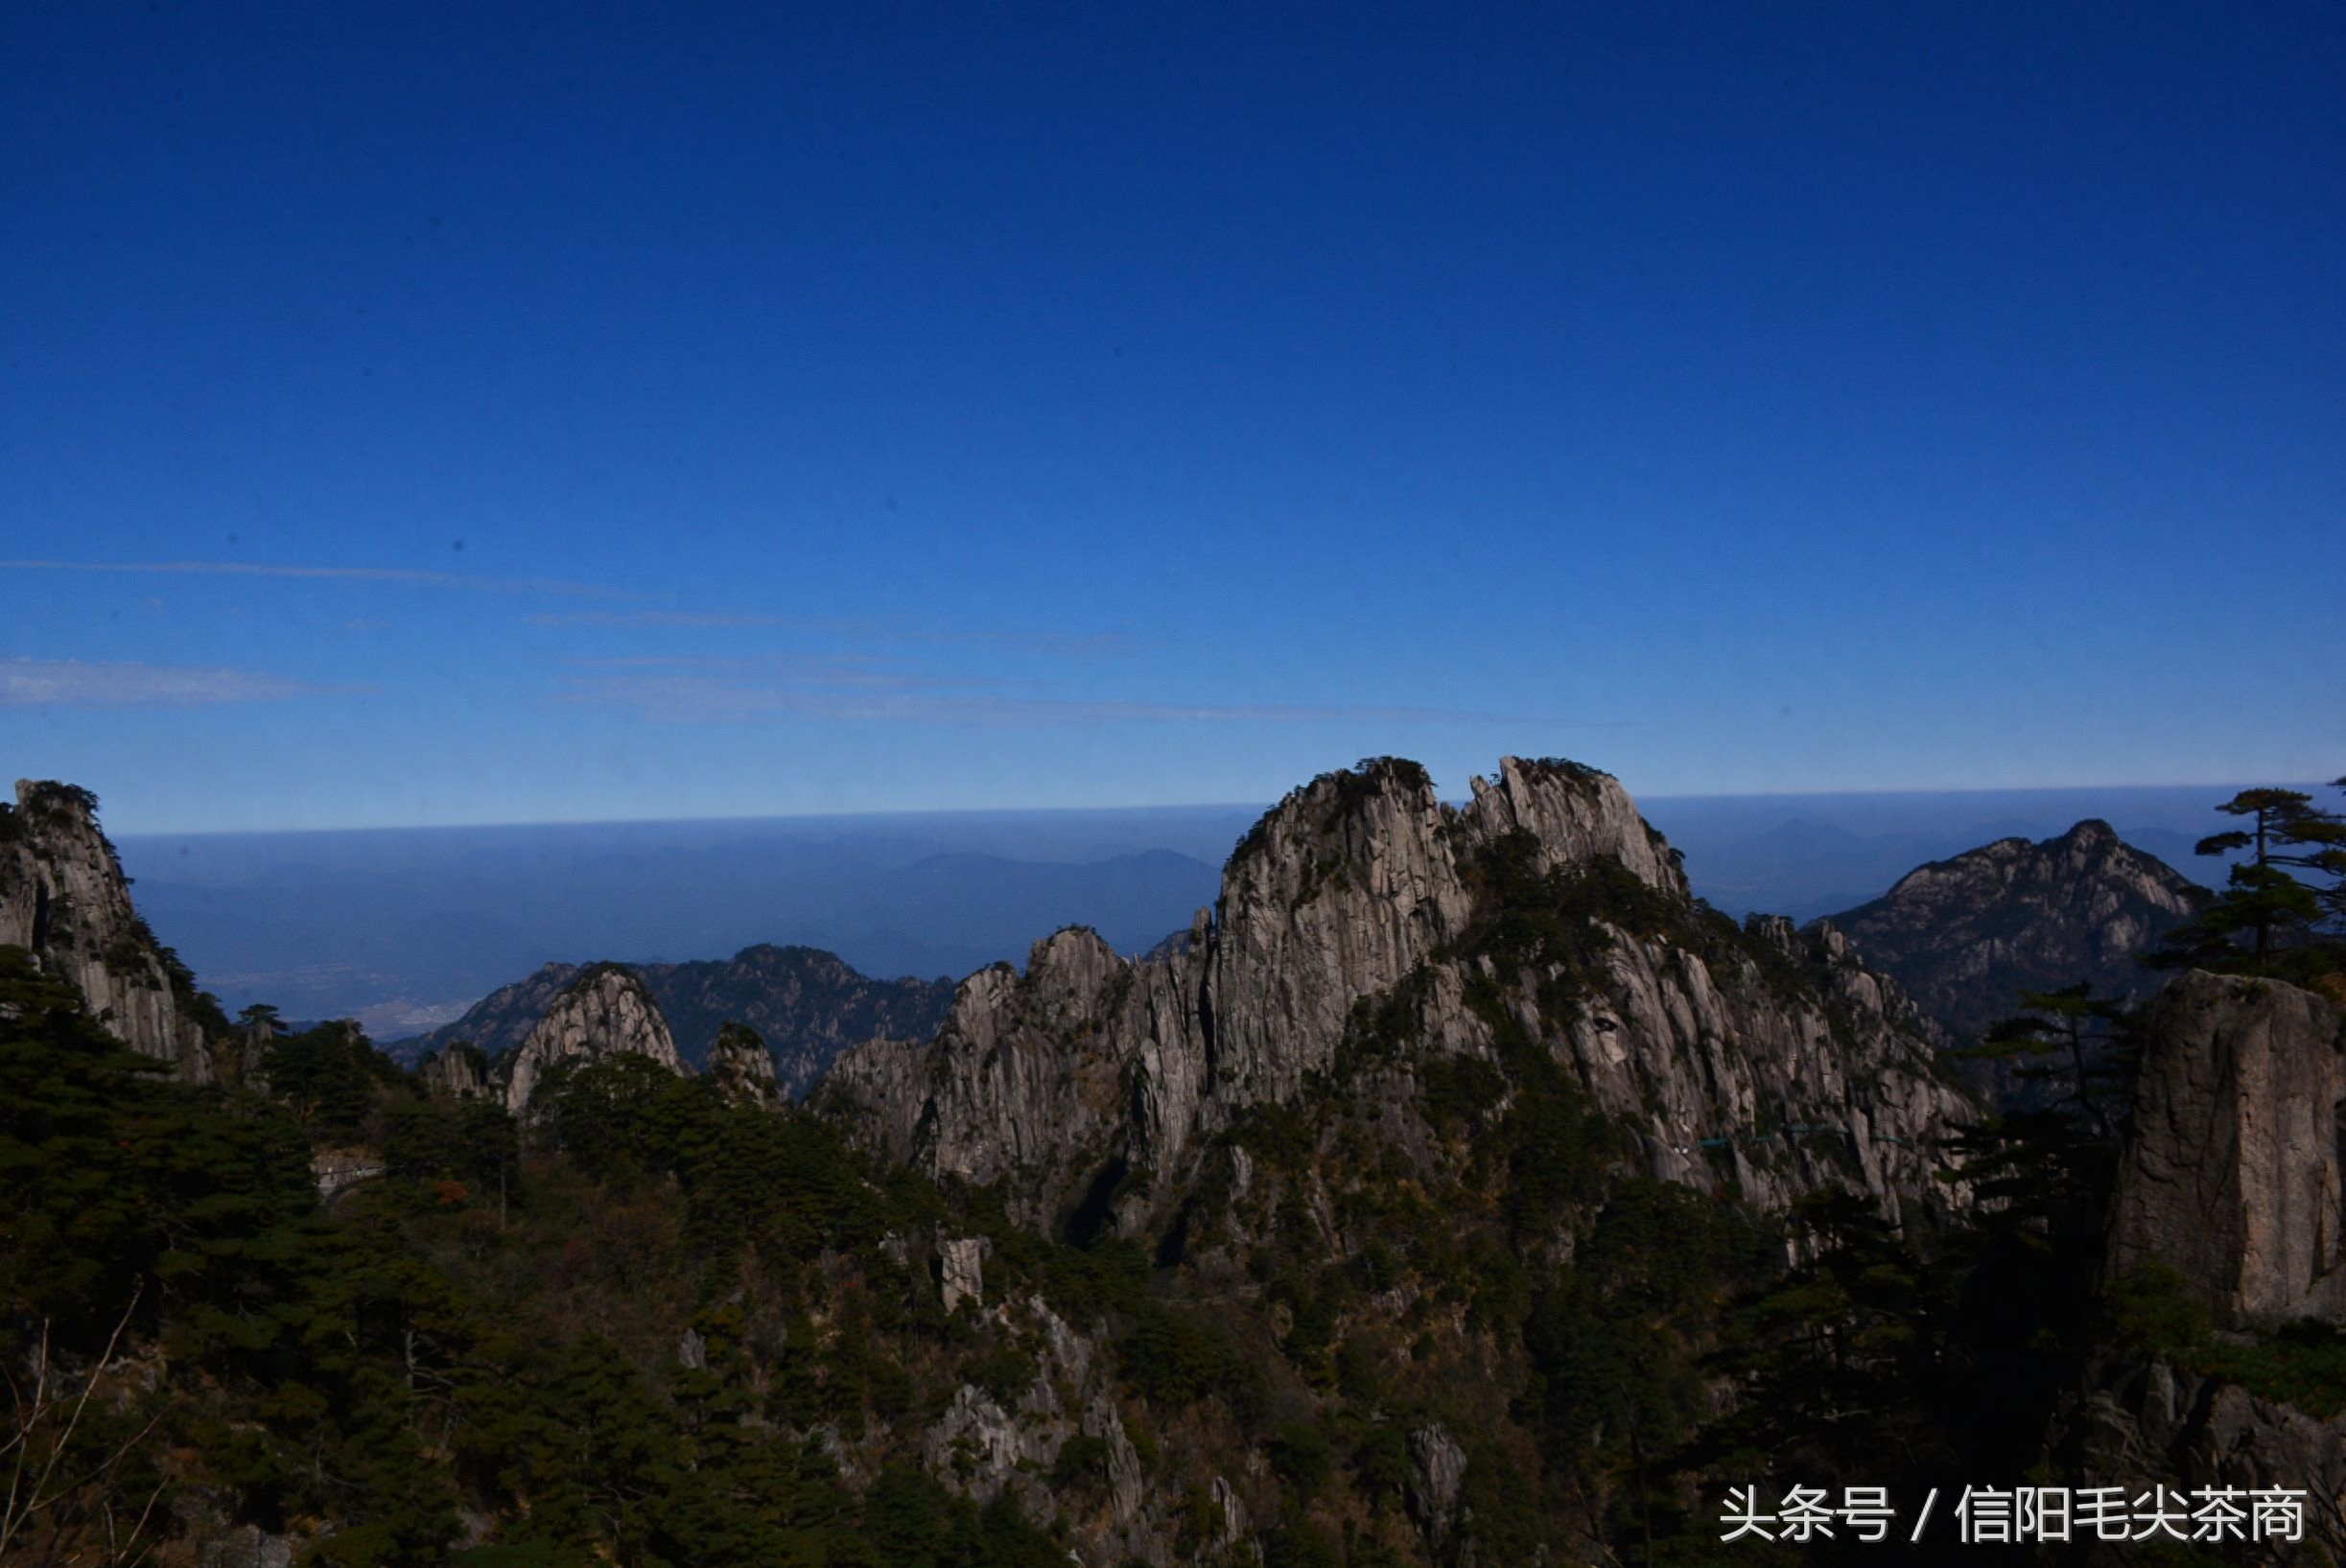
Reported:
(438, 413)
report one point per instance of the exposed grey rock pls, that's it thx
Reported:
(1438, 1476)
(693, 1351)
(1232, 1529)
(460, 1071)
(808, 1005)
(1127, 1484)
(1778, 1062)
(499, 1022)
(64, 898)
(1967, 936)
(2231, 1173)
(606, 1012)
(961, 1270)
(982, 1447)
(2145, 1422)
(880, 1090)
(246, 1546)
(979, 1447)
(741, 1067)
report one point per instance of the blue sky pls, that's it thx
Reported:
(434, 415)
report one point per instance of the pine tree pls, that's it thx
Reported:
(2277, 899)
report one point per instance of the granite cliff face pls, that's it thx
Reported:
(460, 1073)
(809, 1005)
(1965, 936)
(64, 897)
(606, 1012)
(1368, 932)
(2231, 1175)
(2229, 1182)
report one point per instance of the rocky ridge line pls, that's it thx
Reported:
(1767, 1059)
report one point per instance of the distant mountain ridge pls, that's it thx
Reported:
(1964, 936)
(809, 1005)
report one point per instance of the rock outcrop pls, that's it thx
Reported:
(1436, 1479)
(986, 1443)
(961, 1270)
(2145, 1422)
(2231, 1175)
(1967, 936)
(606, 1012)
(1363, 906)
(808, 1004)
(741, 1066)
(460, 1073)
(64, 897)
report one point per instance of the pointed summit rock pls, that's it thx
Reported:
(64, 897)
(604, 1012)
(741, 1066)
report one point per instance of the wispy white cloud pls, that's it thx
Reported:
(75, 683)
(334, 573)
(654, 619)
(853, 630)
(890, 696)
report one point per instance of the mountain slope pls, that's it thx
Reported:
(809, 1005)
(1965, 936)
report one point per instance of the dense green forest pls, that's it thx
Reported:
(656, 1326)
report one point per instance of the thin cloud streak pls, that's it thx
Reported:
(334, 573)
(877, 631)
(75, 683)
(690, 699)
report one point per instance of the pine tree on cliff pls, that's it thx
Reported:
(2276, 901)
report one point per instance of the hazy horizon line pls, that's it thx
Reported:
(965, 811)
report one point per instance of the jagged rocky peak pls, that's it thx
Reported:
(741, 1066)
(63, 897)
(1362, 902)
(606, 1012)
(1965, 936)
(964, 1104)
(1574, 814)
(2232, 1171)
(1354, 879)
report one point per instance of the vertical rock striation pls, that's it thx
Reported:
(64, 897)
(2231, 1175)
(606, 1012)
